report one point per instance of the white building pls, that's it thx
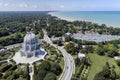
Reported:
(80, 55)
(30, 51)
(30, 45)
(68, 34)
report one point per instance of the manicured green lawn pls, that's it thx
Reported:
(11, 35)
(9, 53)
(62, 63)
(62, 66)
(97, 64)
(13, 72)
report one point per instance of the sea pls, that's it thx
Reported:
(110, 18)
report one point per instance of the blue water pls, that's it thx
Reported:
(110, 18)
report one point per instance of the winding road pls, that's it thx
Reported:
(69, 67)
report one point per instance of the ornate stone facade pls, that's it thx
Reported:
(30, 45)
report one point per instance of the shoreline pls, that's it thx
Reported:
(60, 17)
(73, 19)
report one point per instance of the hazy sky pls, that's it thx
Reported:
(69, 5)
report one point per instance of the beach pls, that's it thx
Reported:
(111, 19)
(61, 17)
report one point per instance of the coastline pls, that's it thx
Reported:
(70, 19)
(61, 17)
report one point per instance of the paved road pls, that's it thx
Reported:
(69, 67)
(69, 62)
(3, 61)
(7, 60)
(17, 45)
(13, 46)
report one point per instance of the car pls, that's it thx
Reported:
(67, 67)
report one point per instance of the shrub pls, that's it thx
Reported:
(118, 62)
(50, 76)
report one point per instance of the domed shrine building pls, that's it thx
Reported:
(30, 46)
(30, 51)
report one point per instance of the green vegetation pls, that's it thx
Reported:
(118, 62)
(13, 25)
(9, 54)
(58, 42)
(11, 39)
(97, 63)
(52, 67)
(47, 70)
(82, 68)
(97, 56)
(62, 63)
(16, 22)
(109, 50)
(13, 28)
(67, 38)
(50, 76)
(70, 48)
(13, 71)
(52, 53)
(40, 35)
(59, 27)
(107, 73)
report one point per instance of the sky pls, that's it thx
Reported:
(60, 5)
